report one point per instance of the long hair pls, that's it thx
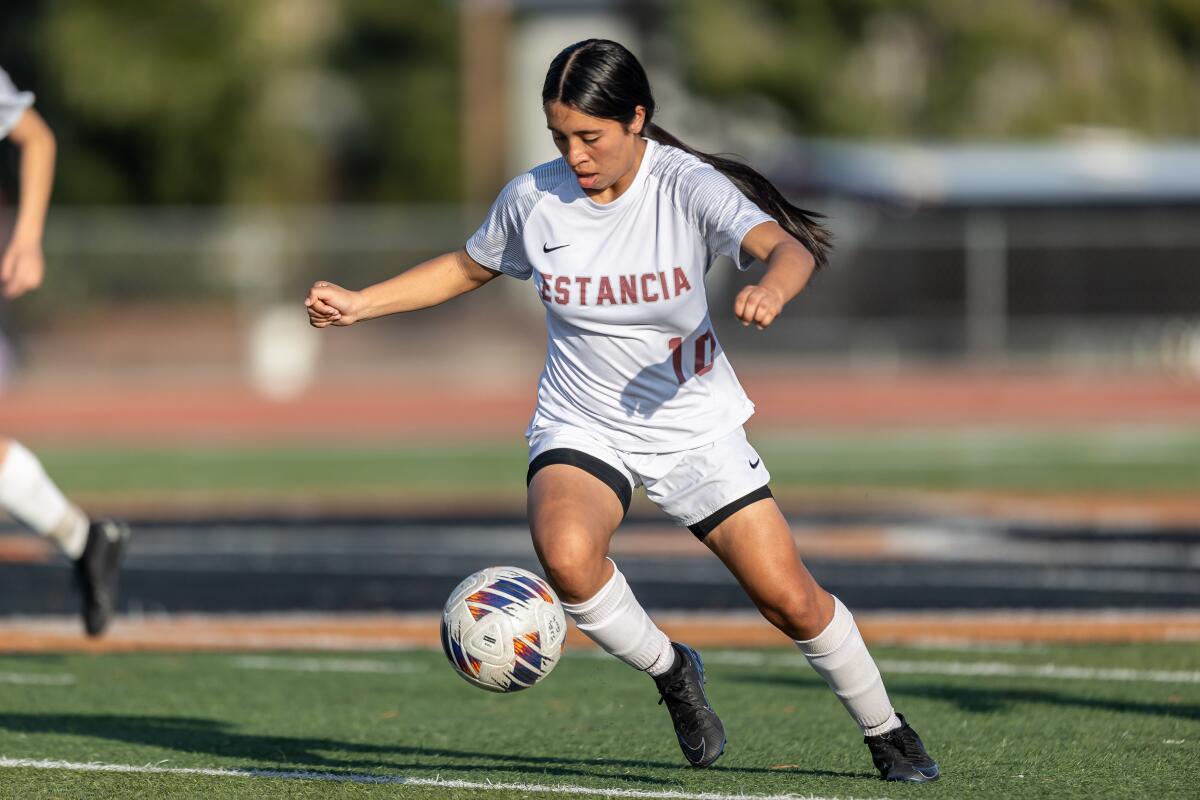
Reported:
(603, 79)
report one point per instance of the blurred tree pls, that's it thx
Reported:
(402, 61)
(952, 68)
(216, 101)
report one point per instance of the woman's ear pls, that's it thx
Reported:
(638, 123)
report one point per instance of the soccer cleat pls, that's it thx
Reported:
(700, 732)
(97, 571)
(899, 755)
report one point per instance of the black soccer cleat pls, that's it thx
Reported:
(97, 571)
(899, 755)
(700, 732)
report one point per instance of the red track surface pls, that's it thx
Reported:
(368, 411)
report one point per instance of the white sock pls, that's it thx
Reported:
(840, 656)
(615, 620)
(31, 497)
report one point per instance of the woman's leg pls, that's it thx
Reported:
(572, 515)
(756, 544)
(29, 495)
(96, 548)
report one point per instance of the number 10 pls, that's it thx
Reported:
(705, 352)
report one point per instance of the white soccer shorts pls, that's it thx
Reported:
(698, 488)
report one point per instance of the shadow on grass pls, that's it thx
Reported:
(987, 701)
(27, 660)
(192, 735)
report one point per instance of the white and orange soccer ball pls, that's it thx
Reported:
(503, 629)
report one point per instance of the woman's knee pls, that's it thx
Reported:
(574, 561)
(800, 614)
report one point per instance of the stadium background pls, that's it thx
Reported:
(983, 419)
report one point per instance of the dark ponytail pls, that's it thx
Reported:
(603, 79)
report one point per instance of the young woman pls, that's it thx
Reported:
(26, 492)
(616, 236)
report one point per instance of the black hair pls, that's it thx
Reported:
(603, 79)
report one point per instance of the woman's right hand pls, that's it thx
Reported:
(330, 304)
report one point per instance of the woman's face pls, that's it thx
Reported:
(603, 153)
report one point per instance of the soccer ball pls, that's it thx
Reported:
(503, 629)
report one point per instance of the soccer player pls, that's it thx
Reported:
(26, 492)
(616, 236)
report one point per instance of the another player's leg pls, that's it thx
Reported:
(96, 548)
(573, 512)
(756, 544)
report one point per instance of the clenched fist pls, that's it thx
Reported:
(330, 304)
(757, 305)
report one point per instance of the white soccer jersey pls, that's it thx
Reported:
(12, 104)
(631, 354)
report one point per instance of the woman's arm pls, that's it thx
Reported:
(789, 266)
(428, 284)
(23, 264)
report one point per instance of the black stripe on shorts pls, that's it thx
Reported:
(589, 464)
(705, 526)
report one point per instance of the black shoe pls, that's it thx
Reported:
(701, 734)
(900, 755)
(97, 571)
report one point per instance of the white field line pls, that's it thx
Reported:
(982, 669)
(253, 641)
(950, 645)
(288, 664)
(546, 788)
(33, 679)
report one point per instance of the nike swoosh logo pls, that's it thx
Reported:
(546, 248)
(754, 464)
(698, 752)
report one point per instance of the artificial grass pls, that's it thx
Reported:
(593, 723)
(1149, 459)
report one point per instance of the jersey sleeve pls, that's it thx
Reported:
(498, 243)
(723, 214)
(12, 104)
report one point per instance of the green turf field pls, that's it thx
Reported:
(1124, 723)
(1152, 459)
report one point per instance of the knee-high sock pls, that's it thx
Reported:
(27, 493)
(840, 656)
(615, 620)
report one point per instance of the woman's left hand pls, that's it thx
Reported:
(757, 305)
